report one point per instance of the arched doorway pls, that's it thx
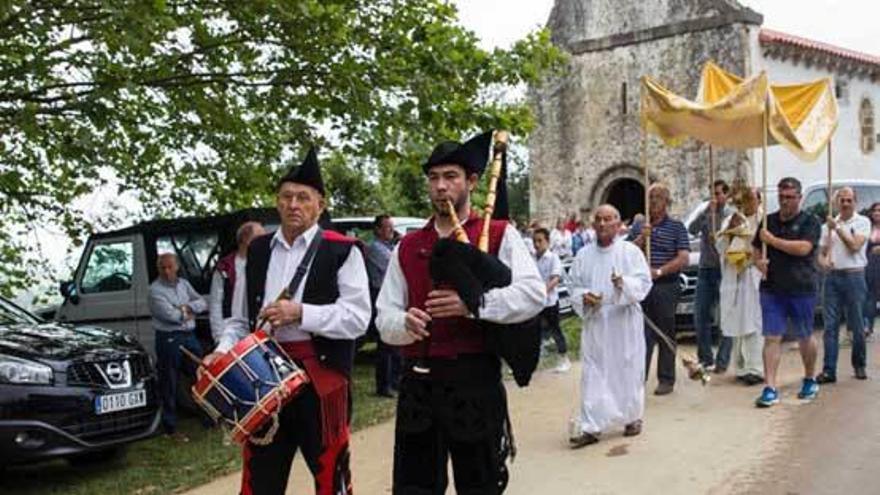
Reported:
(627, 195)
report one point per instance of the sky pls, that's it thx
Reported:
(847, 23)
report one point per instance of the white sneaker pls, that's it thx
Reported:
(563, 366)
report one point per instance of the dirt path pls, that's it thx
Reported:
(697, 440)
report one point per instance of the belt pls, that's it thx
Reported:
(848, 270)
(668, 278)
(478, 368)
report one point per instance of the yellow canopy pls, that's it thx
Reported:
(728, 112)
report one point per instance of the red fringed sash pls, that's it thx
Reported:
(331, 387)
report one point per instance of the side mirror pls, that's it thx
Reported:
(69, 291)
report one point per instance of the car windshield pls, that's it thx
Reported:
(11, 314)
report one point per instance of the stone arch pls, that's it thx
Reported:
(623, 186)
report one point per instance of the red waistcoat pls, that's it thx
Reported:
(449, 336)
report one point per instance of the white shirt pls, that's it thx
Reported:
(346, 318)
(519, 301)
(560, 242)
(238, 308)
(549, 266)
(841, 256)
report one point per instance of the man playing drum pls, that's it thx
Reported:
(317, 327)
(451, 401)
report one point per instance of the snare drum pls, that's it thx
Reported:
(247, 387)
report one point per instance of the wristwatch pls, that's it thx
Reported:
(659, 272)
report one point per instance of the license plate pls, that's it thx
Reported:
(120, 402)
(684, 308)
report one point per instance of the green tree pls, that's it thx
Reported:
(195, 105)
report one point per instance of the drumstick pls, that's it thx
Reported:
(195, 359)
(284, 295)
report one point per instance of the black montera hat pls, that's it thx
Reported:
(307, 173)
(473, 155)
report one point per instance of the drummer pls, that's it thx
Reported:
(330, 308)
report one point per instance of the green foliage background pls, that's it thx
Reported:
(194, 106)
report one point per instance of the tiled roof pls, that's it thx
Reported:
(770, 37)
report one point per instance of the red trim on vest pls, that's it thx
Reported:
(226, 267)
(331, 235)
(449, 336)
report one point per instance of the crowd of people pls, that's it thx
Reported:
(438, 345)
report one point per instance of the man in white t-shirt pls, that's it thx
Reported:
(550, 268)
(843, 258)
(560, 239)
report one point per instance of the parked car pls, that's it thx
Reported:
(81, 392)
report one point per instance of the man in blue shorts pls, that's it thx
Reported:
(788, 291)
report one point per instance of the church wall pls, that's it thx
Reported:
(585, 139)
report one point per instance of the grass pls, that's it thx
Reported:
(161, 465)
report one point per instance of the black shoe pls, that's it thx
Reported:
(720, 370)
(751, 379)
(583, 440)
(825, 378)
(633, 429)
(387, 393)
(860, 374)
(663, 388)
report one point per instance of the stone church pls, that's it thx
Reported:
(585, 149)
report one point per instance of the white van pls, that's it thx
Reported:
(110, 286)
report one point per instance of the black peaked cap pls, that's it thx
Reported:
(307, 173)
(473, 155)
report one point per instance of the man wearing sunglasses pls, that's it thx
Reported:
(788, 290)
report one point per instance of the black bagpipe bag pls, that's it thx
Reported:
(472, 273)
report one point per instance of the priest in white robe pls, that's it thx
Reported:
(740, 299)
(608, 281)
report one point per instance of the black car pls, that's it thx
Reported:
(75, 391)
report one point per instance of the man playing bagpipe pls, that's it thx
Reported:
(325, 309)
(450, 307)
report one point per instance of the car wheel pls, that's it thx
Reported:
(96, 457)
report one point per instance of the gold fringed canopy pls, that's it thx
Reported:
(728, 112)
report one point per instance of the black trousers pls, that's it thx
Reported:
(659, 307)
(549, 318)
(267, 468)
(452, 417)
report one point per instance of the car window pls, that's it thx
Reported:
(816, 203)
(866, 196)
(197, 253)
(109, 268)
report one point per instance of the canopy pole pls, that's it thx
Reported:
(713, 210)
(643, 159)
(764, 165)
(830, 198)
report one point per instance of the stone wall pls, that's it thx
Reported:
(587, 136)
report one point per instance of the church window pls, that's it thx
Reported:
(866, 122)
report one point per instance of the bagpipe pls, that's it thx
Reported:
(471, 271)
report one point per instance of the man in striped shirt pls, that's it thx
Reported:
(669, 255)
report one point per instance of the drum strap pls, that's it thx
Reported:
(303, 267)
